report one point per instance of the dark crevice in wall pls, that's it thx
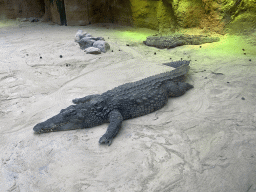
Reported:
(170, 6)
(234, 7)
(42, 5)
(227, 15)
(61, 9)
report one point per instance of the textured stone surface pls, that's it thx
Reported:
(188, 13)
(77, 12)
(244, 24)
(21, 8)
(166, 16)
(144, 13)
(55, 15)
(47, 11)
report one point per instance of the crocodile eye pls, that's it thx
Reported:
(68, 112)
(98, 105)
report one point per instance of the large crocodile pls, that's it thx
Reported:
(126, 101)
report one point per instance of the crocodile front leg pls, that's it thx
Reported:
(176, 89)
(115, 120)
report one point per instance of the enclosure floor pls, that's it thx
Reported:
(202, 141)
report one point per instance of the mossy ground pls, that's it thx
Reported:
(7, 22)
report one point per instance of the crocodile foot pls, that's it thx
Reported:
(105, 140)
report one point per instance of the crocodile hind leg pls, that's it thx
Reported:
(84, 99)
(176, 89)
(115, 119)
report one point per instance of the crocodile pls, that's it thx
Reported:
(175, 40)
(124, 102)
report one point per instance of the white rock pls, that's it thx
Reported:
(92, 50)
(79, 35)
(86, 42)
(102, 45)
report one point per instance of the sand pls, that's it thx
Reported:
(202, 141)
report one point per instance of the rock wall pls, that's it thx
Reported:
(21, 8)
(240, 16)
(109, 11)
(80, 8)
(92, 11)
(168, 15)
(234, 16)
(47, 11)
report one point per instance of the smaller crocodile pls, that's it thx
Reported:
(126, 101)
(178, 40)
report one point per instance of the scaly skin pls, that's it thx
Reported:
(127, 101)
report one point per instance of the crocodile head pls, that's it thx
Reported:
(73, 117)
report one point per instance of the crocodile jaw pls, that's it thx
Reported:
(43, 128)
(56, 123)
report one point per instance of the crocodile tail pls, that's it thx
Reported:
(181, 67)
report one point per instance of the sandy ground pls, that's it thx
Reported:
(202, 141)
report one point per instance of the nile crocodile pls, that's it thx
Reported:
(126, 101)
(178, 40)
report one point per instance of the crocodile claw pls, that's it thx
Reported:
(105, 140)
